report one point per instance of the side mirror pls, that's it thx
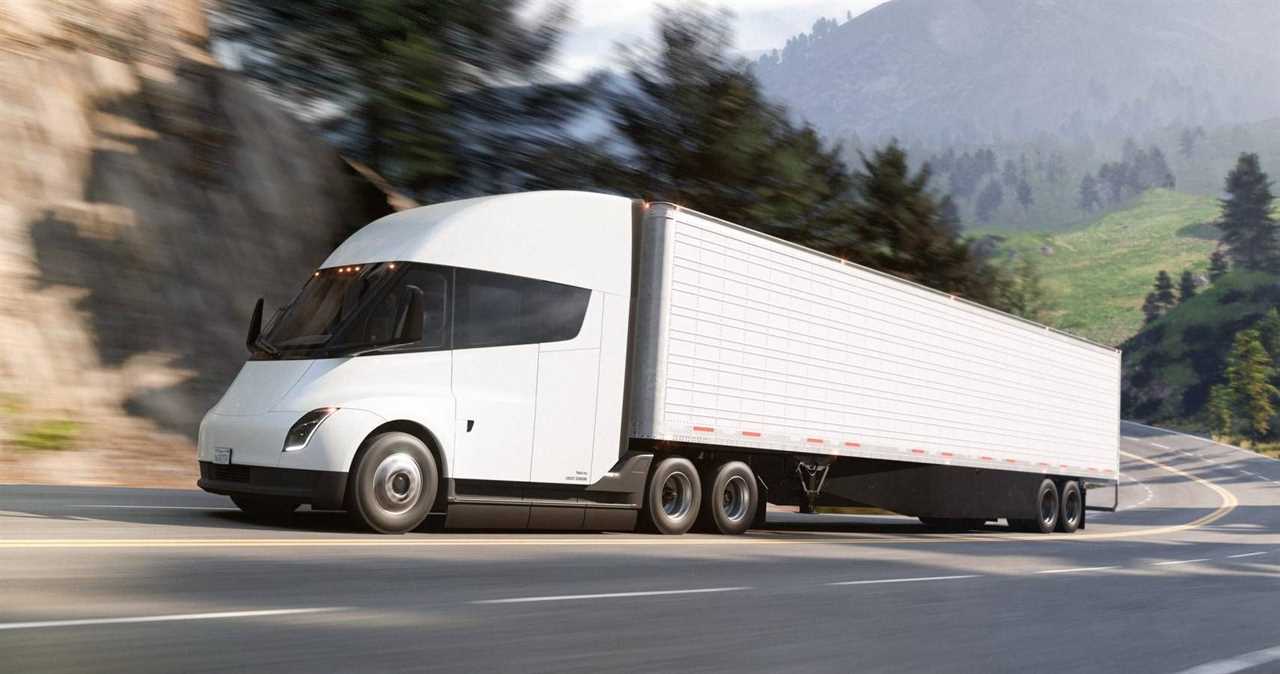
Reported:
(255, 327)
(409, 331)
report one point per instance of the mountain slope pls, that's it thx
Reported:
(1098, 275)
(982, 71)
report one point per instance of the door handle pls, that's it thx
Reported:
(470, 424)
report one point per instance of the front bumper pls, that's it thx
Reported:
(323, 489)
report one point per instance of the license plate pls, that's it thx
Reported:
(222, 455)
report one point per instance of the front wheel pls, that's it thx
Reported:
(393, 486)
(673, 497)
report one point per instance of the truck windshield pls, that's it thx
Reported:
(345, 309)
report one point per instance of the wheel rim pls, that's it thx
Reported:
(735, 499)
(397, 483)
(1048, 507)
(677, 492)
(1071, 507)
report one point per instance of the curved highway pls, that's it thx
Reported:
(1182, 578)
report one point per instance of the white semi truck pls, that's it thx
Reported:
(568, 360)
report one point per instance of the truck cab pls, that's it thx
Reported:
(468, 351)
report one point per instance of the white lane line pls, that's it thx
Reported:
(1156, 444)
(1246, 554)
(609, 595)
(902, 580)
(1180, 561)
(1237, 664)
(165, 618)
(151, 507)
(1079, 569)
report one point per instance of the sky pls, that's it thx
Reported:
(759, 25)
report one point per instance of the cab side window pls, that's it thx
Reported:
(501, 310)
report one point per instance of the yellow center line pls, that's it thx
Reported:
(1228, 502)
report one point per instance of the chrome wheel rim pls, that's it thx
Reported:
(677, 495)
(735, 498)
(397, 483)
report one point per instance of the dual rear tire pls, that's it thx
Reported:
(676, 498)
(1057, 510)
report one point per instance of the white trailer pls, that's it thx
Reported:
(578, 360)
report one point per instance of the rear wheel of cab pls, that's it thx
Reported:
(729, 501)
(672, 498)
(393, 485)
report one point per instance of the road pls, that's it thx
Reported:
(1185, 575)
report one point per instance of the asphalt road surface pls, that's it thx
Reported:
(1183, 577)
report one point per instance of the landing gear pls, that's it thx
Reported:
(812, 476)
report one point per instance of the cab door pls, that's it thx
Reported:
(495, 377)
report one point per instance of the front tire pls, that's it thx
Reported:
(394, 484)
(729, 500)
(673, 497)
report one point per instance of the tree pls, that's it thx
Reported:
(989, 201)
(1249, 374)
(1186, 286)
(1150, 308)
(427, 92)
(1024, 293)
(1269, 333)
(1025, 198)
(1217, 265)
(1164, 296)
(1248, 230)
(1090, 200)
(1221, 410)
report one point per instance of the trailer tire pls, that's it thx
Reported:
(729, 500)
(265, 507)
(672, 498)
(394, 483)
(1047, 506)
(1071, 508)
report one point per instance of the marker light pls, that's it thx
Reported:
(301, 433)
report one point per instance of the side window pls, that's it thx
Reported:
(380, 320)
(501, 310)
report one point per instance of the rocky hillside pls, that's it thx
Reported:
(147, 198)
(972, 72)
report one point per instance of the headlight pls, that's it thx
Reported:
(305, 427)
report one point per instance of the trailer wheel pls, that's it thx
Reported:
(672, 498)
(265, 507)
(1047, 508)
(394, 484)
(729, 500)
(1072, 508)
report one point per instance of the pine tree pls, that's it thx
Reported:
(1186, 286)
(1150, 308)
(1249, 374)
(416, 89)
(1164, 297)
(1221, 411)
(1090, 200)
(1218, 265)
(1248, 230)
(989, 201)
(1269, 333)
(1025, 198)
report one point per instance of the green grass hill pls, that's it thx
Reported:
(1097, 276)
(1170, 365)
